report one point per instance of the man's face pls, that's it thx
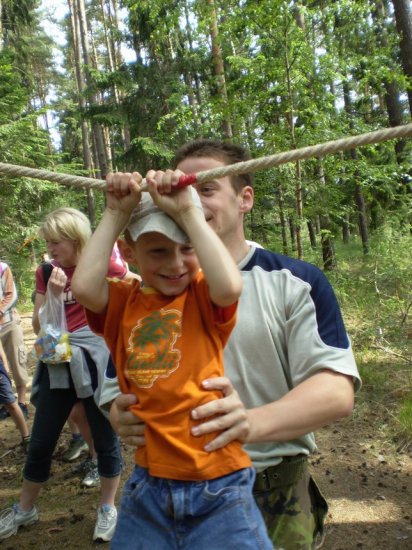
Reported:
(223, 208)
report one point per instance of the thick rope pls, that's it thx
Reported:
(253, 165)
(317, 151)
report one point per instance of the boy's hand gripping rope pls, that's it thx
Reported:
(252, 165)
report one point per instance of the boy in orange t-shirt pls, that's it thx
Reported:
(166, 336)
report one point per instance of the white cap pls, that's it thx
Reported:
(148, 217)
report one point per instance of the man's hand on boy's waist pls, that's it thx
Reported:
(125, 423)
(229, 415)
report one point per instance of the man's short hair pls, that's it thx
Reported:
(227, 152)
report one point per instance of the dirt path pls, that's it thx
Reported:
(365, 478)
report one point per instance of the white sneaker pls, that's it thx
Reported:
(13, 518)
(106, 523)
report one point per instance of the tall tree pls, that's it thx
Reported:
(403, 15)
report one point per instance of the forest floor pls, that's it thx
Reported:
(365, 476)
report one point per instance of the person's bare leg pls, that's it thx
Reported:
(18, 418)
(29, 493)
(79, 424)
(108, 489)
(21, 394)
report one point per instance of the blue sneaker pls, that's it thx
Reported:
(13, 518)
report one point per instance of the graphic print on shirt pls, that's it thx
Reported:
(151, 347)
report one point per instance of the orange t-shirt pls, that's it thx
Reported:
(163, 348)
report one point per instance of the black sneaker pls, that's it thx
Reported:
(4, 413)
(24, 410)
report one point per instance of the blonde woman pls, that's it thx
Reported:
(56, 388)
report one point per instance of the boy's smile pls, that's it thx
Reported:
(165, 265)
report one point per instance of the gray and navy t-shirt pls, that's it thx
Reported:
(289, 327)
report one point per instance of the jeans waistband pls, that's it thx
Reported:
(285, 473)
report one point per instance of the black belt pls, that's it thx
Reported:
(285, 473)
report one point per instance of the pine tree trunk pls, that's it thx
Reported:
(87, 160)
(346, 229)
(359, 199)
(391, 96)
(363, 225)
(298, 184)
(312, 234)
(292, 230)
(219, 70)
(403, 17)
(283, 229)
(328, 249)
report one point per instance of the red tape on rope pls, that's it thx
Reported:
(187, 179)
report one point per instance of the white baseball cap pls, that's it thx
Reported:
(148, 217)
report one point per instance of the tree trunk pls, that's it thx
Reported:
(359, 199)
(292, 230)
(1, 25)
(391, 96)
(101, 159)
(403, 17)
(346, 229)
(298, 184)
(219, 70)
(363, 225)
(312, 234)
(115, 59)
(283, 229)
(328, 249)
(87, 160)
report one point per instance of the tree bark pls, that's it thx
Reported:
(359, 199)
(282, 221)
(219, 69)
(312, 234)
(87, 160)
(391, 86)
(346, 229)
(328, 249)
(403, 17)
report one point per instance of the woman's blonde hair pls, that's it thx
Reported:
(66, 223)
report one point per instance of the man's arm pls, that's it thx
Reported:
(323, 398)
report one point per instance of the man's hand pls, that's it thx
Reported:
(230, 416)
(126, 424)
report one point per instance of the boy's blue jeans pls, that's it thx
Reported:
(162, 514)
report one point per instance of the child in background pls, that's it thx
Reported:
(166, 336)
(8, 400)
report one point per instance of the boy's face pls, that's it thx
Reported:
(163, 264)
(223, 207)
